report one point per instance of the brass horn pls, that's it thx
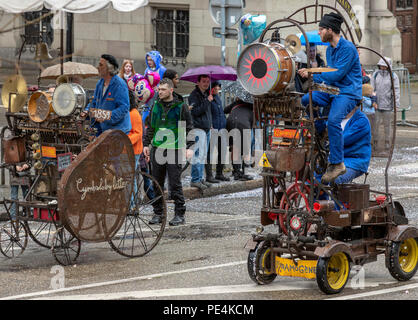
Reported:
(293, 43)
(42, 52)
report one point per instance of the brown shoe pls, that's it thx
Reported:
(333, 172)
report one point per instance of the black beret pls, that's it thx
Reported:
(333, 21)
(111, 59)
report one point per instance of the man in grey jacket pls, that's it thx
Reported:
(382, 84)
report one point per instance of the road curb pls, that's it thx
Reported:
(238, 186)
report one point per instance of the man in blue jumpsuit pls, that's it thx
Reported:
(357, 146)
(341, 55)
(111, 94)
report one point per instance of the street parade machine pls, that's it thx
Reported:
(309, 237)
(81, 188)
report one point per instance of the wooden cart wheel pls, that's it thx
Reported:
(13, 239)
(259, 265)
(332, 273)
(41, 232)
(65, 247)
(403, 259)
(137, 236)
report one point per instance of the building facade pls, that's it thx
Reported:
(182, 32)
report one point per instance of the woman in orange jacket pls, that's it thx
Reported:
(135, 135)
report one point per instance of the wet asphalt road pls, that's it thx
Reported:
(205, 259)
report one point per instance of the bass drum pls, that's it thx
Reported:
(39, 106)
(266, 68)
(68, 97)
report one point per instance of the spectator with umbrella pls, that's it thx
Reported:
(200, 107)
(218, 124)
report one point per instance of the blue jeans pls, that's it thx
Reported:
(349, 176)
(149, 190)
(14, 195)
(200, 155)
(135, 183)
(340, 107)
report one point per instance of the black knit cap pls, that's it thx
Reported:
(111, 59)
(333, 21)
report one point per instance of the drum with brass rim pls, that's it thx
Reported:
(67, 98)
(266, 68)
(40, 106)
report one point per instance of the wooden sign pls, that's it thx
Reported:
(95, 190)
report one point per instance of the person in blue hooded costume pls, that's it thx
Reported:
(153, 62)
(111, 94)
(343, 56)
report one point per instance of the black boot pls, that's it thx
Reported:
(209, 176)
(156, 219)
(236, 172)
(219, 173)
(245, 177)
(177, 220)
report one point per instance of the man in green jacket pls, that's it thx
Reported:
(163, 144)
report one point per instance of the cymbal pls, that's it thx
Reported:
(293, 43)
(16, 86)
(321, 70)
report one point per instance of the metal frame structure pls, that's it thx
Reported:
(38, 215)
(348, 228)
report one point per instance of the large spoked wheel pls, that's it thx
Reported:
(41, 232)
(332, 273)
(13, 239)
(65, 247)
(259, 264)
(137, 236)
(403, 259)
(294, 201)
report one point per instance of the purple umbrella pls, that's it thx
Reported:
(214, 72)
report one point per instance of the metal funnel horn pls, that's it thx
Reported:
(42, 52)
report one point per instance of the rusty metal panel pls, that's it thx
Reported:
(334, 247)
(400, 233)
(95, 190)
(354, 196)
(337, 218)
(374, 215)
(287, 159)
